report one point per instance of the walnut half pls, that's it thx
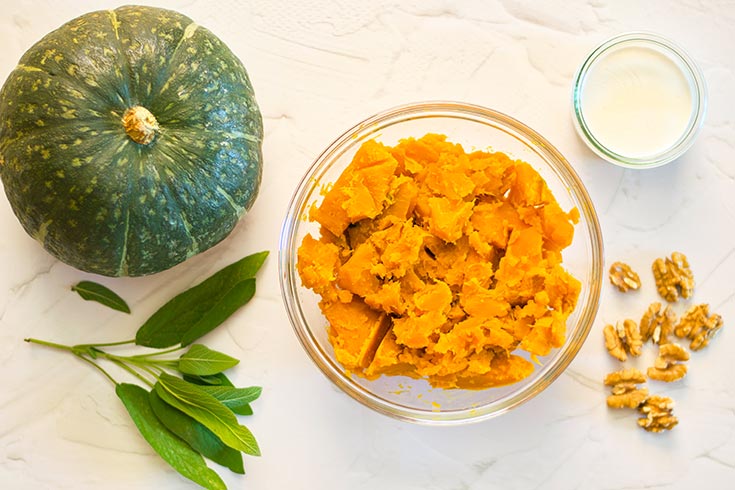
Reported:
(657, 323)
(673, 277)
(698, 326)
(623, 277)
(658, 411)
(625, 390)
(622, 339)
(668, 367)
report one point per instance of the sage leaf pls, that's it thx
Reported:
(219, 379)
(170, 447)
(236, 399)
(244, 409)
(201, 439)
(203, 361)
(203, 306)
(91, 291)
(236, 297)
(203, 407)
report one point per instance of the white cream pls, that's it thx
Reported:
(636, 101)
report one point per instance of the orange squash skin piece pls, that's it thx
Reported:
(439, 264)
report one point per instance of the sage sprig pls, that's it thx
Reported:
(189, 410)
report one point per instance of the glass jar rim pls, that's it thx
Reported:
(689, 68)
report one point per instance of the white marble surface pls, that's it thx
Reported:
(318, 67)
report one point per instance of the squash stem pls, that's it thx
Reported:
(140, 125)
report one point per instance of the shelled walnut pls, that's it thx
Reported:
(658, 411)
(668, 366)
(622, 339)
(625, 390)
(657, 324)
(623, 277)
(673, 277)
(698, 326)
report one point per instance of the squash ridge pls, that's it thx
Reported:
(123, 267)
(127, 69)
(187, 34)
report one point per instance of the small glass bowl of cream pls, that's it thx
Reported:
(639, 100)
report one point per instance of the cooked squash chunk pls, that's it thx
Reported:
(439, 264)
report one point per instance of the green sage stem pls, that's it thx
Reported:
(132, 371)
(106, 344)
(50, 344)
(153, 354)
(100, 368)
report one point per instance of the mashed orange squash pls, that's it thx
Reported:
(439, 264)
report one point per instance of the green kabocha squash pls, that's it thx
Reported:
(130, 140)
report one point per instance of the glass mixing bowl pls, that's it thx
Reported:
(476, 128)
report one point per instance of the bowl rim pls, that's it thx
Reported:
(535, 142)
(689, 68)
